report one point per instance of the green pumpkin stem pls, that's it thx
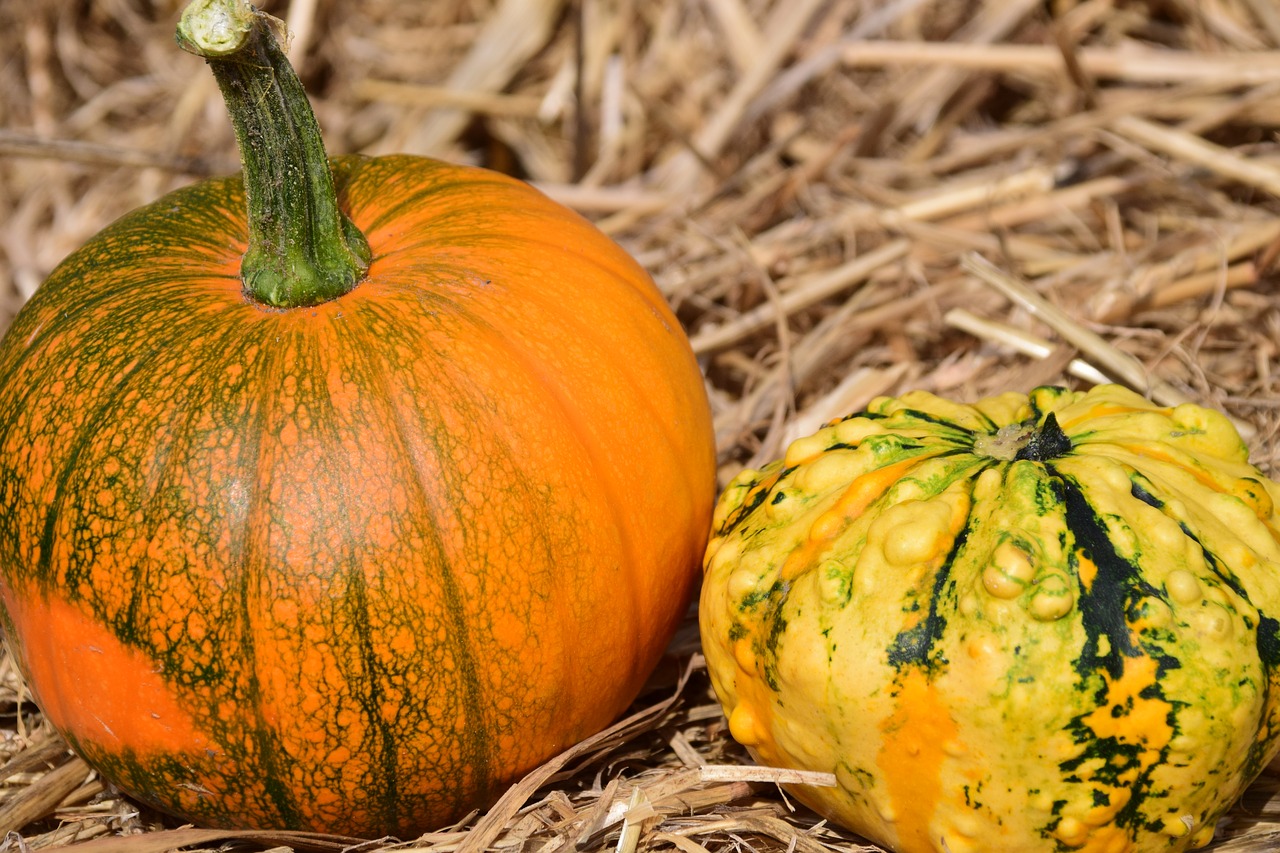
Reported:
(302, 249)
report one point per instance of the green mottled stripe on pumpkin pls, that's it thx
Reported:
(312, 483)
(168, 469)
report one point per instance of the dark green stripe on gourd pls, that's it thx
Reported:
(1106, 601)
(1105, 605)
(918, 646)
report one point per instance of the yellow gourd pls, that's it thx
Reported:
(1040, 622)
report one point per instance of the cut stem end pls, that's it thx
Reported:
(303, 250)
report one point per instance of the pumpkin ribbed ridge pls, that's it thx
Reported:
(1067, 642)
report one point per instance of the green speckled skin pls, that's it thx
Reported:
(353, 567)
(1037, 623)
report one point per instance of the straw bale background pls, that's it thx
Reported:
(841, 198)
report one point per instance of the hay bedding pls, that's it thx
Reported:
(841, 198)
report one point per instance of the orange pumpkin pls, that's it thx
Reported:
(348, 563)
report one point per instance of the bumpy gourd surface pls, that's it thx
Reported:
(355, 567)
(1002, 636)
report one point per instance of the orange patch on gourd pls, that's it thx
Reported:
(1088, 571)
(1148, 451)
(751, 722)
(1107, 839)
(1131, 718)
(96, 688)
(912, 756)
(853, 502)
